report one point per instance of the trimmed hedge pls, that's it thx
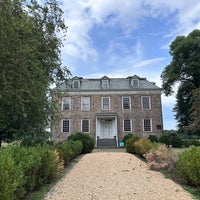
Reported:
(153, 138)
(25, 169)
(87, 141)
(130, 148)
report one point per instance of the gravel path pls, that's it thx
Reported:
(115, 176)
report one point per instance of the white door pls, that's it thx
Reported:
(107, 129)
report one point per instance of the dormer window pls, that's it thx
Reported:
(135, 83)
(76, 84)
(105, 82)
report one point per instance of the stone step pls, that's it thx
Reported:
(106, 143)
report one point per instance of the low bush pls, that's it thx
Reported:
(130, 148)
(161, 158)
(127, 137)
(153, 138)
(142, 146)
(87, 141)
(69, 150)
(191, 142)
(176, 141)
(165, 139)
(188, 165)
(11, 176)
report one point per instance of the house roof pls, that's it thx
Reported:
(90, 84)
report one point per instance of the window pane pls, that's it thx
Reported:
(147, 125)
(66, 103)
(85, 126)
(127, 125)
(146, 103)
(106, 103)
(76, 84)
(85, 103)
(135, 82)
(105, 84)
(65, 126)
(126, 103)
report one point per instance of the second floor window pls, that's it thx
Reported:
(105, 103)
(66, 103)
(85, 103)
(147, 125)
(126, 103)
(146, 104)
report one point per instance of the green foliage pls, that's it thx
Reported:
(184, 68)
(69, 150)
(130, 148)
(10, 176)
(165, 139)
(161, 158)
(87, 141)
(127, 137)
(153, 138)
(142, 146)
(30, 62)
(176, 141)
(188, 165)
(191, 142)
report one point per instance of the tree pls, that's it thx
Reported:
(30, 62)
(185, 70)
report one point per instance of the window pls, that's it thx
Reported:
(85, 126)
(126, 103)
(105, 84)
(105, 103)
(65, 126)
(135, 82)
(146, 105)
(127, 125)
(85, 103)
(66, 103)
(76, 84)
(147, 125)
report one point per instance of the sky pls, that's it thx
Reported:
(121, 38)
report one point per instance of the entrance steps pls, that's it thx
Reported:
(106, 143)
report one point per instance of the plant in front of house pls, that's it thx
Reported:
(188, 165)
(142, 146)
(161, 158)
(153, 138)
(130, 148)
(87, 141)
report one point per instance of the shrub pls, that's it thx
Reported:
(153, 138)
(10, 176)
(165, 139)
(161, 158)
(87, 141)
(188, 165)
(76, 147)
(142, 146)
(130, 148)
(176, 141)
(191, 142)
(127, 137)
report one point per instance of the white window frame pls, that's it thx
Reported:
(135, 83)
(142, 102)
(130, 125)
(85, 106)
(105, 84)
(69, 103)
(88, 126)
(102, 103)
(147, 131)
(123, 103)
(62, 125)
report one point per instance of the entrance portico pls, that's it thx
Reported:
(106, 127)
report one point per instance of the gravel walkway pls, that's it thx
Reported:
(115, 176)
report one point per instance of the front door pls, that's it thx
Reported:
(107, 129)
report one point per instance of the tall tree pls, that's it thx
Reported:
(185, 70)
(29, 62)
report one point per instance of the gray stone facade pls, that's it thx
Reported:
(142, 115)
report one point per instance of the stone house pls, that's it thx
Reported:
(108, 108)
